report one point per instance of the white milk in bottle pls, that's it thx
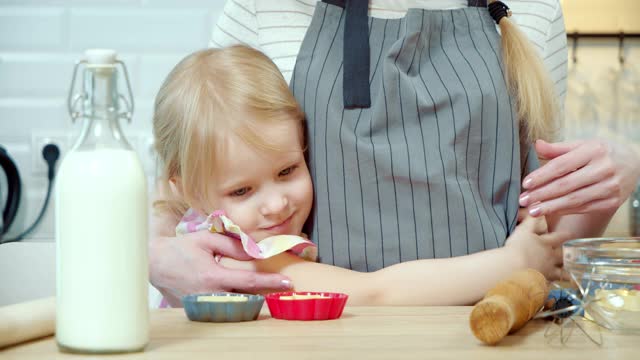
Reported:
(101, 223)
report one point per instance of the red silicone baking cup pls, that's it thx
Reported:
(306, 309)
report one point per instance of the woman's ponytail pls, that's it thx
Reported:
(527, 78)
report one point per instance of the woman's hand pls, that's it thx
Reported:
(580, 177)
(537, 248)
(186, 265)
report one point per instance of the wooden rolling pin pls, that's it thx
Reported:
(508, 306)
(26, 321)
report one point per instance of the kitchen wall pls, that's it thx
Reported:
(39, 42)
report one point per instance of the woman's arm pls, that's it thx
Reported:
(237, 24)
(160, 233)
(582, 185)
(451, 281)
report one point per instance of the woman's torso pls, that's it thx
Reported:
(433, 168)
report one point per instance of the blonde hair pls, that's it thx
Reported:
(206, 95)
(528, 80)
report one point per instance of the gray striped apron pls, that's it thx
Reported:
(431, 168)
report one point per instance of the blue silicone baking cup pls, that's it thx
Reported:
(222, 311)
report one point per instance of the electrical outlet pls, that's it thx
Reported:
(39, 141)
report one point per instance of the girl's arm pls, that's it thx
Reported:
(451, 281)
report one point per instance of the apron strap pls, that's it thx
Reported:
(477, 3)
(356, 55)
(356, 92)
(355, 81)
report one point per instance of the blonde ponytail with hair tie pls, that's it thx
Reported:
(527, 78)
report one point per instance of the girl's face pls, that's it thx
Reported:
(265, 192)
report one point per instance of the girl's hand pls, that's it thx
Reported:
(580, 177)
(186, 265)
(538, 249)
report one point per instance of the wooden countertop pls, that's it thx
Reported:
(361, 333)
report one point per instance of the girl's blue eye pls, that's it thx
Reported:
(240, 192)
(288, 170)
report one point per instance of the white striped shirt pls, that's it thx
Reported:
(277, 28)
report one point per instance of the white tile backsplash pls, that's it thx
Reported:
(19, 116)
(35, 76)
(144, 30)
(150, 67)
(40, 41)
(32, 28)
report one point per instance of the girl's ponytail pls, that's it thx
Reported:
(527, 78)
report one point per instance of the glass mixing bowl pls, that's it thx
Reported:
(608, 273)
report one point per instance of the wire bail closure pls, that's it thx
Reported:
(72, 99)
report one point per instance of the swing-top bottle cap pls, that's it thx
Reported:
(100, 57)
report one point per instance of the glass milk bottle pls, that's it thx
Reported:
(101, 221)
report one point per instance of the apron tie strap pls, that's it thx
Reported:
(477, 3)
(356, 91)
(356, 55)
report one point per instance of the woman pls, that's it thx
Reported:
(419, 155)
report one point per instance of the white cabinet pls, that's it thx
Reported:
(28, 272)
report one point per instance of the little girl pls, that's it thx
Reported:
(231, 138)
